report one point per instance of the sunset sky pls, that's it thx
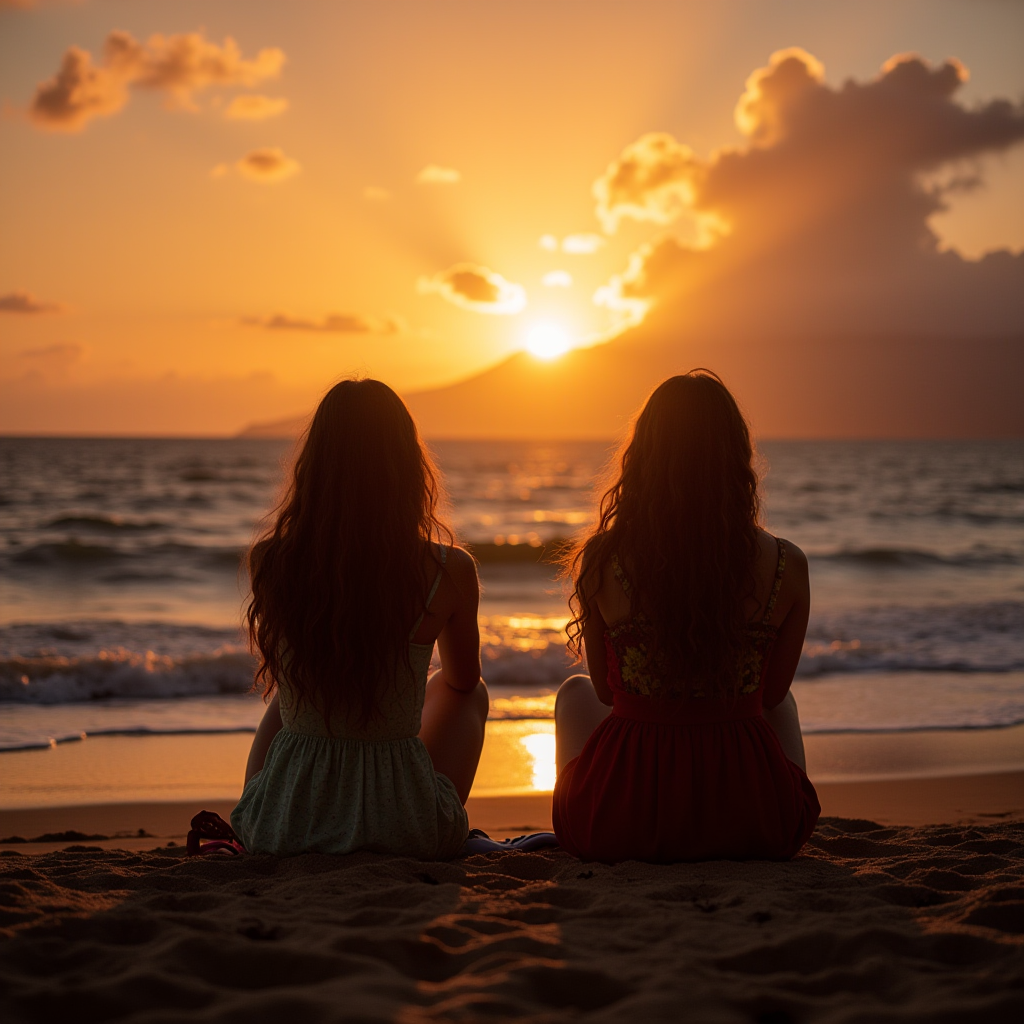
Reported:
(208, 211)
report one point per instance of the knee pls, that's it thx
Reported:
(573, 689)
(481, 700)
(787, 704)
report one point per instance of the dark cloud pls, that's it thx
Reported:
(334, 323)
(475, 288)
(268, 165)
(176, 66)
(822, 217)
(78, 92)
(23, 302)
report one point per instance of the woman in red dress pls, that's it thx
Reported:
(684, 743)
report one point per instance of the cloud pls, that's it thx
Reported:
(651, 180)
(254, 107)
(375, 194)
(821, 218)
(268, 165)
(23, 302)
(434, 175)
(476, 288)
(772, 90)
(813, 149)
(333, 323)
(78, 92)
(176, 66)
(626, 296)
(557, 279)
(582, 245)
(576, 245)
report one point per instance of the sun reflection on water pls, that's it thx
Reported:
(541, 748)
(518, 757)
(522, 632)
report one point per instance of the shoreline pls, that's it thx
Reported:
(866, 704)
(139, 733)
(517, 761)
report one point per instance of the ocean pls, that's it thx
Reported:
(121, 585)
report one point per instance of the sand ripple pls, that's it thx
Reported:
(869, 924)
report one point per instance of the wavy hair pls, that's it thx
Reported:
(340, 574)
(681, 516)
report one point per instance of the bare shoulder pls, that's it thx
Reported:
(793, 587)
(796, 560)
(461, 566)
(796, 585)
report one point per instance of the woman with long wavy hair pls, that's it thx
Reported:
(684, 742)
(352, 583)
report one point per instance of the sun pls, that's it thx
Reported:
(547, 341)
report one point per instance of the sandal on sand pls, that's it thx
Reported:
(479, 841)
(219, 836)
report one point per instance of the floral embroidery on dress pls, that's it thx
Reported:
(643, 669)
(638, 673)
(753, 657)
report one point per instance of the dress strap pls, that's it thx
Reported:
(780, 568)
(620, 575)
(433, 590)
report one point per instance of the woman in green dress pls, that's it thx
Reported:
(353, 582)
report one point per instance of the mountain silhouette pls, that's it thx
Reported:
(788, 387)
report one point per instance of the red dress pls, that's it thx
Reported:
(677, 776)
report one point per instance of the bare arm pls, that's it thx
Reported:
(270, 725)
(790, 641)
(593, 645)
(458, 643)
(456, 702)
(597, 659)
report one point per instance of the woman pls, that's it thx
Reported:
(351, 587)
(684, 743)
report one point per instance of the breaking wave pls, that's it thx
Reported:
(917, 558)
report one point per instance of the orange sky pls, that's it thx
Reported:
(210, 210)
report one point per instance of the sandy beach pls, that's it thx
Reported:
(869, 923)
(887, 914)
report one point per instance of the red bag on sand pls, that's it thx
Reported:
(219, 836)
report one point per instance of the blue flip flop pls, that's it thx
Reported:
(479, 841)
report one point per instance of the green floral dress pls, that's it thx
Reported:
(336, 787)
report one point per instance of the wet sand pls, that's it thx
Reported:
(518, 759)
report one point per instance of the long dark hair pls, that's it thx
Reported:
(682, 518)
(340, 574)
